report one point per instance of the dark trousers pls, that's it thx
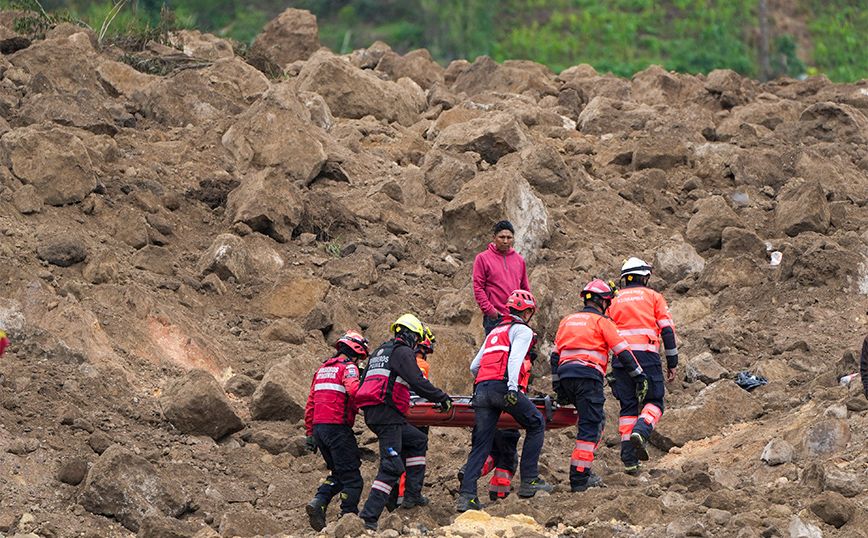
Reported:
(488, 323)
(488, 404)
(402, 449)
(337, 443)
(624, 389)
(587, 395)
(504, 452)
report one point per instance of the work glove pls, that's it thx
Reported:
(641, 386)
(3, 341)
(310, 444)
(532, 355)
(445, 405)
(511, 398)
(610, 379)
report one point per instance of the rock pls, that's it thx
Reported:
(101, 269)
(704, 368)
(833, 508)
(66, 178)
(197, 405)
(154, 526)
(738, 241)
(67, 63)
(446, 173)
(705, 227)
(689, 311)
(154, 259)
(27, 201)
(676, 260)
(717, 405)
(188, 98)
(72, 471)
(353, 93)
(99, 441)
(844, 482)
(127, 487)
(656, 86)
(778, 451)
(292, 35)
(267, 203)
(84, 110)
(685, 527)
(195, 43)
(544, 168)
(249, 523)
(349, 526)
(802, 207)
(62, 250)
(240, 386)
(737, 272)
(491, 136)
(489, 198)
(271, 442)
(663, 153)
(121, 79)
(260, 137)
(824, 437)
(604, 115)
(834, 122)
(799, 528)
(278, 394)
(296, 297)
(239, 258)
(284, 330)
(416, 65)
(514, 76)
(357, 271)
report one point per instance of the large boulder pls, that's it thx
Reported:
(835, 122)
(241, 259)
(268, 203)
(282, 393)
(293, 35)
(277, 132)
(353, 93)
(656, 86)
(604, 115)
(295, 297)
(190, 97)
(119, 78)
(67, 177)
(197, 405)
(63, 65)
(493, 196)
(802, 207)
(514, 76)
(675, 260)
(416, 64)
(128, 487)
(356, 271)
(84, 110)
(546, 171)
(445, 173)
(196, 44)
(705, 227)
(491, 136)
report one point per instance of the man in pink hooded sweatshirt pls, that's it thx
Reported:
(497, 271)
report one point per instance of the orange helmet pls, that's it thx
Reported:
(354, 341)
(521, 300)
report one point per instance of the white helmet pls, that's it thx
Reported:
(635, 266)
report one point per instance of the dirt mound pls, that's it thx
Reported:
(158, 227)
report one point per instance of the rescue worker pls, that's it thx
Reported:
(4, 341)
(384, 396)
(643, 319)
(423, 349)
(863, 365)
(579, 362)
(503, 459)
(496, 368)
(328, 418)
(497, 271)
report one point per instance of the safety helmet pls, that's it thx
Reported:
(426, 345)
(635, 266)
(412, 324)
(598, 288)
(521, 300)
(354, 341)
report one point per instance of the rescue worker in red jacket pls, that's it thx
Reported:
(643, 319)
(863, 365)
(328, 419)
(579, 363)
(496, 389)
(384, 396)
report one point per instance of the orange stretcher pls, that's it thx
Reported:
(425, 413)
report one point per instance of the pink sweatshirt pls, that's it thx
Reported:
(495, 276)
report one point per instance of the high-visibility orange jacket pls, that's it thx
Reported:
(642, 317)
(582, 346)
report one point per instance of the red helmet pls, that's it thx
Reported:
(599, 288)
(354, 341)
(521, 300)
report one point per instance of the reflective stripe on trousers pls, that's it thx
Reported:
(651, 414)
(625, 427)
(583, 455)
(501, 482)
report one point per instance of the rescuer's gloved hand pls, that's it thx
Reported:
(445, 405)
(561, 397)
(641, 386)
(511, 398)
(610, 379)
(310, 444)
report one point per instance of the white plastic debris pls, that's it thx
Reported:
(776, 258)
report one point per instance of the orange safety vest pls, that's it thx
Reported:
(640, 313)
(586, 338)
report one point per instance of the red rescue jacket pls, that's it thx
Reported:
(495, 354)
(381, 384)
(332, 394)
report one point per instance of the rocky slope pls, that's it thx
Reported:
(181, 250)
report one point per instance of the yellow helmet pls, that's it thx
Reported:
(412, 324)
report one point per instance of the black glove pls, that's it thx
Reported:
(511, 398)
(562, 398)
(610, 379)
(532, 355)
(445, 405)
(310, 444)
(641, 386)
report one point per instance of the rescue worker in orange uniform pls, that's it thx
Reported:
(503, 459)
(328, 418)
(496, 368)
(579, 363)
(384, 396)
(643, 319)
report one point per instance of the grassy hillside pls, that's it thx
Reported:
(621, 36)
